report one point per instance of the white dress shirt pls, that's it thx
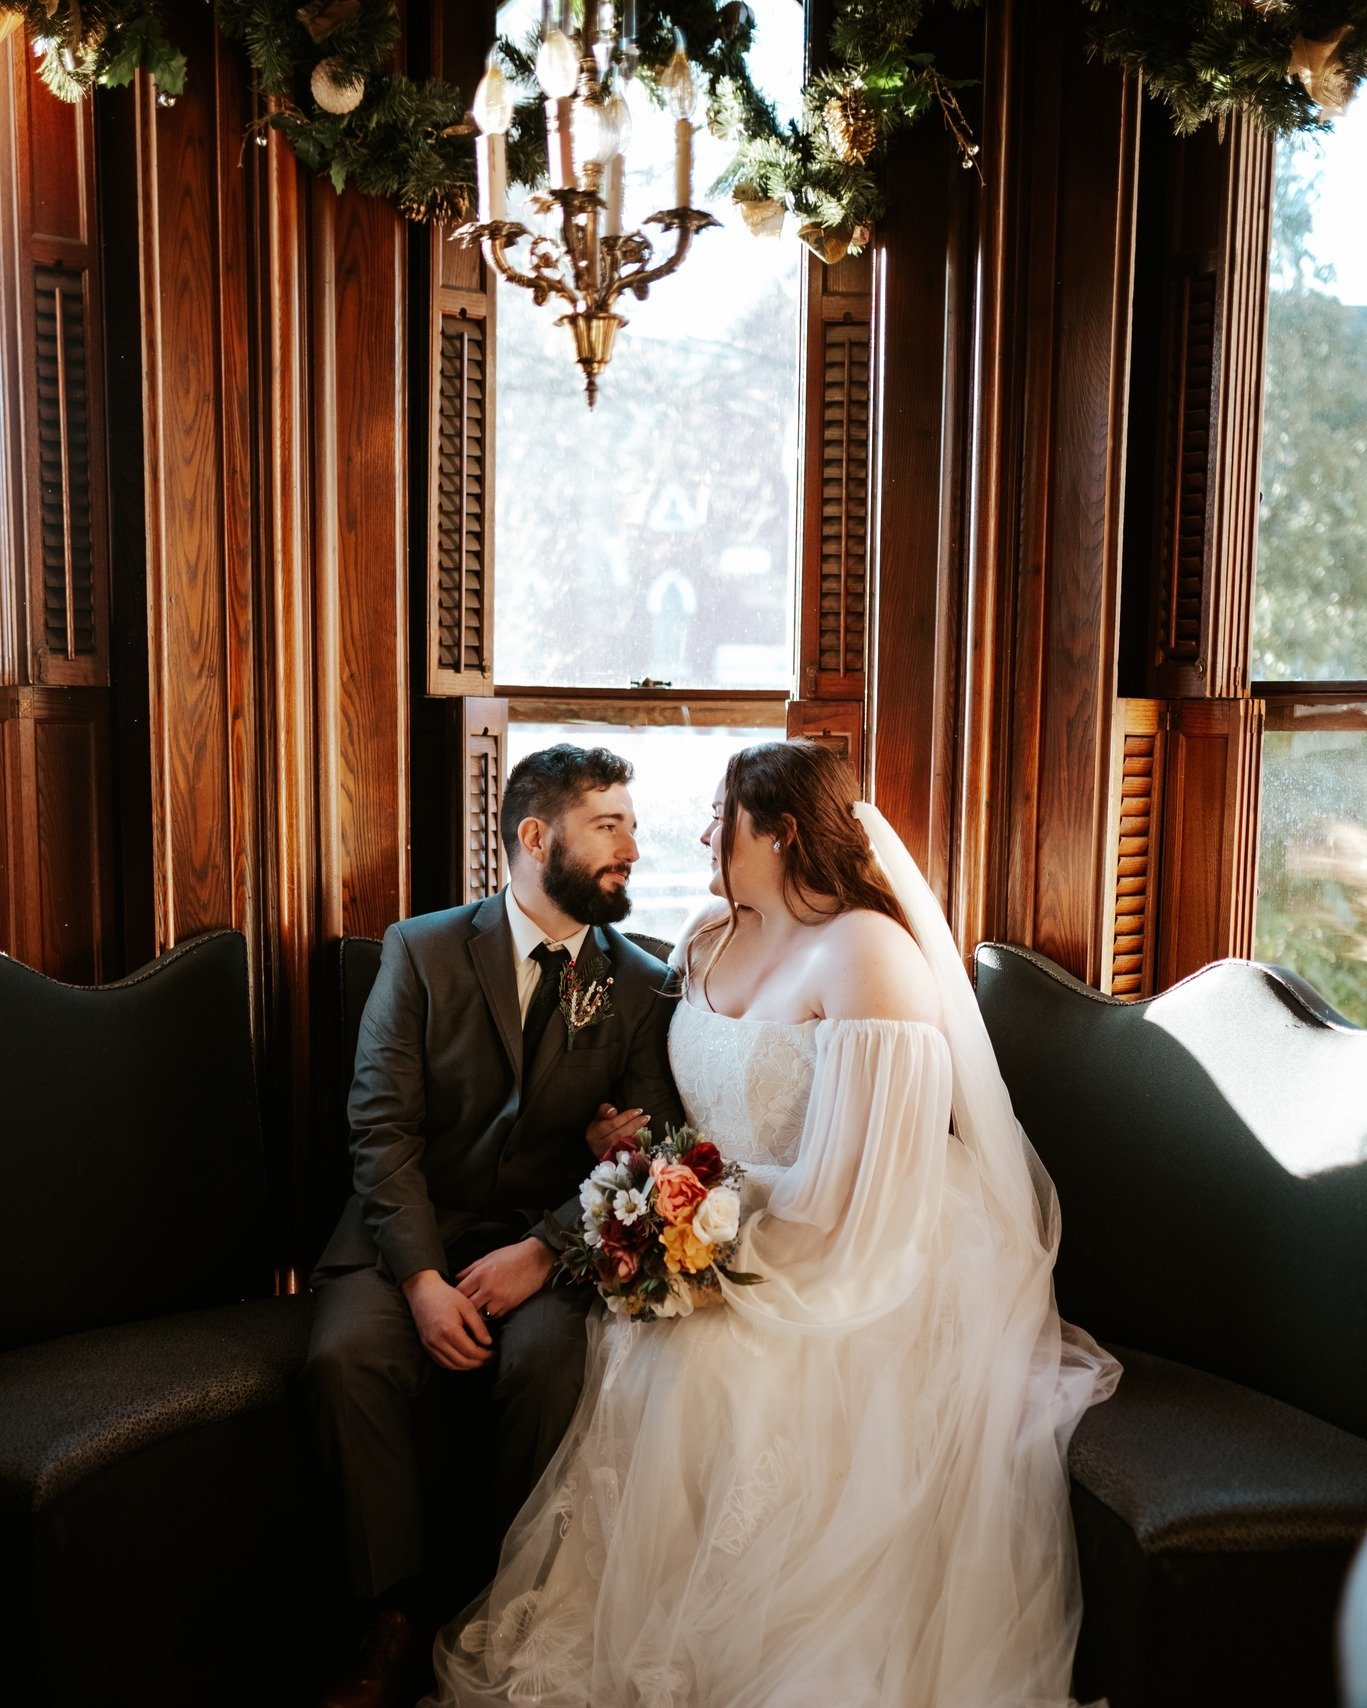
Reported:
(528, 935)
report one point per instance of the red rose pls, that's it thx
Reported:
(705, 1160)
(620, 1241)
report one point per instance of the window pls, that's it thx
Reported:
(1309, 646)
(645, 594)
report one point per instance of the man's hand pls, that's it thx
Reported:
(611, 1127)
(448, 1323)
(498, 1283)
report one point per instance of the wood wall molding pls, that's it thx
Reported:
(922, 342)
(1040, 655)
(193, 216)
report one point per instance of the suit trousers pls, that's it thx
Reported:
(366, 1370)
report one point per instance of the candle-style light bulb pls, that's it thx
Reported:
(493, 105)
(557, 66)
(677, 82)
(492, 111)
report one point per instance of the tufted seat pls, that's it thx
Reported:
(1209, 1147)
(73, 1407)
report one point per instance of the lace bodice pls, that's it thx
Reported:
(745, 1083)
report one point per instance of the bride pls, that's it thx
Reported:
(850, 1484)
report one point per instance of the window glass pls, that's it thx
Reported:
(677, 772)
(1310, 609)
(654, 537)
(1312, 862)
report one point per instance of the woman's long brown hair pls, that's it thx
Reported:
(803, 794)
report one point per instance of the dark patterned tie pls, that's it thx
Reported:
(545, 998)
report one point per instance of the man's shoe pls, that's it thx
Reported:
(388, 1665)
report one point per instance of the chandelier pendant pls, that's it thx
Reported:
(592, 262)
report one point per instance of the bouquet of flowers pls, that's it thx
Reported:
(659, 1225)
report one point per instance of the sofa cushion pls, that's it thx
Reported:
(1193, 1463)
(73, 1406)
(130, 1144)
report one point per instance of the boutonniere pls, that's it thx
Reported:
(582, 1006)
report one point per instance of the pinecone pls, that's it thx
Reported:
(849, 126)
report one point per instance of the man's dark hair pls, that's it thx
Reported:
(546, 784)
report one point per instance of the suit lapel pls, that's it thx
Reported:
(595, 962)
(491, 951)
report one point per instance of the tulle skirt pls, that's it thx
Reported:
(745, 1515)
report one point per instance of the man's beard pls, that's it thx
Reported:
(577, 891)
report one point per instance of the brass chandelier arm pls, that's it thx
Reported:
(495, 240)
(683, 222)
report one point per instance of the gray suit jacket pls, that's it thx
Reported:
(453, 1136)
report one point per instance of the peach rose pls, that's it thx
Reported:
(678, 1191)
(684, 1250)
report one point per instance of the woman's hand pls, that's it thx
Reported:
(611, 1127)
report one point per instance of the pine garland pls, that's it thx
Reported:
(1287, 65)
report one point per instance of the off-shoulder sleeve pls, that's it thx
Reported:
(848, 1230)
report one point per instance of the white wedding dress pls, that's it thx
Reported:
(849, 1486)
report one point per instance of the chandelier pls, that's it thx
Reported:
(593, 262)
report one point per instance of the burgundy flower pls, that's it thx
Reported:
(705, 1160)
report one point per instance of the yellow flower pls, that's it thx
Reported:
(684, 1250)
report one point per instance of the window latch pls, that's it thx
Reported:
(652, 682)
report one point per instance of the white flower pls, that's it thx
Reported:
(594, 1202)
(592, 1237)
(631, 1205)
(677, 1302)
(717, 1219)
(611, 1174)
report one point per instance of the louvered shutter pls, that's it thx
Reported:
(834, 569)
(1136, 840)
(460, 561)
(482, 865)
(66, 543)
(1213, 356)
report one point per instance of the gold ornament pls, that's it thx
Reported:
(1317, 65)
(321, 17)
(849, 126)
(763, 217)
(832, 243)
(334, 90)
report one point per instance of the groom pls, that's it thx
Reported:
(470, 1111)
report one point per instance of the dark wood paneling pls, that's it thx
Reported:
(922, 328)
(1060, 139)
(54, 839)
(202, 827)
(1210, 834)
(359, 334)
(59, 161)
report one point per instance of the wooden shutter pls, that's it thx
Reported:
(68, 627)
(1213, 763)
(460, 538)
(481, 862)
(833, 597)
(1136, 838)
(460, 552)
(1214, 341)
